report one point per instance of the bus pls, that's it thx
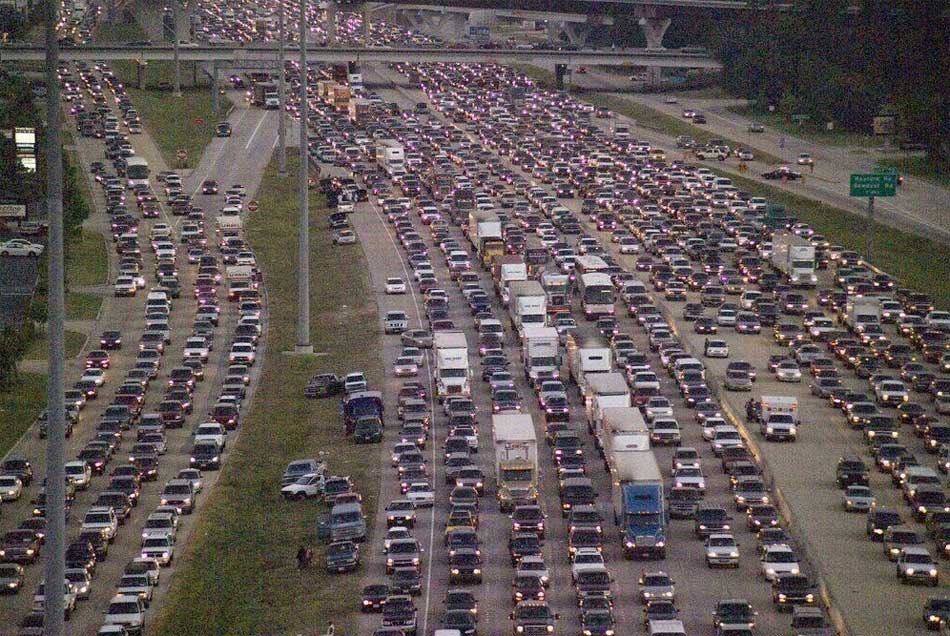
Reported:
(597, 295)
(136, 171)
(587, 264)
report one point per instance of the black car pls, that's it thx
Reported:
(879, 520)
(793, 589)
(110, 340)
(373, 597)
(462, 620)
(784, 173)
(851, 471)
(324, 385)
(223, 129)
(209, 186)
(457, 599)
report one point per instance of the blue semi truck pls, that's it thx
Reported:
(639, 505)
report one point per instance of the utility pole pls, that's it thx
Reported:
(55, 388)
(281, 94)
(303, 238)
(870, 231)
(177, 92)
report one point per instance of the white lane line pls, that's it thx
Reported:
(254, 134)
(435, 481)
(217, 158)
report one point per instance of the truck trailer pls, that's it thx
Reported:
(794, 258)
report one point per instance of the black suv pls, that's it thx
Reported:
(851, 471)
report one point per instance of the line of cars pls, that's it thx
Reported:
(113, 506)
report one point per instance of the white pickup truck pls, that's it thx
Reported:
(211, 432)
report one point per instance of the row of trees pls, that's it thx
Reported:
(17, 108)
(841, 61)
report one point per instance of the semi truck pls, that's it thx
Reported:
(604, 390)
(265, 95)
(638, 503)
(359, 110)
(451, 360)
(587, 356)
(861, 311)
(527, 305)
(516, 459)
(621, 428)
(506, 270)
(391, 157)
(540, 353)
(794, 258)
(557, 288)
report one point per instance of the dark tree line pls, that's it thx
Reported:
(842, 61)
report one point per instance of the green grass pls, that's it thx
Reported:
(175, 123)
(643, 115)
(808, 130)
(922, 167)
(919, 263)
(38, 347)
(87, 261)
(80, 306)
(238, 575)
(707, 92)
(19, 407)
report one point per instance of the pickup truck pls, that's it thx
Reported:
(323, 385)
(396, 322)
(211, 432)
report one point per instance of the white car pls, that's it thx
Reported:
(20, 247)
(395, 286)
(127, 611)
(395, 534)
(344, 237)
(689, 477)
(196, 348)
(94, 375)
(587, 560)
(125, 286)
(788, 371)
(805, 159)
(535, 566)
(162, 549)
(722, 550)
(211, 432)
(716, 349)
(136, 585)
(10, 488)
(242, 352)
(658, 407)
(779, 559)
(421, 494)
(79, 474)
(405, 367)
(101, 519)
(160, 524)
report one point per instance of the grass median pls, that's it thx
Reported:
(238, 575)
(39, 347)
(87, 261)
(19, 407)
(175, 123)
(916, 261)
(644, 116)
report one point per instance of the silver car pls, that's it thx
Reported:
(858, 499)
(656, 585)
(737, 381)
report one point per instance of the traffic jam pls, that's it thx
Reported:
(159, 391)
(556, 268)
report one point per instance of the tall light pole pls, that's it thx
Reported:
(55, 398)
(177, 92)
(303, 237)
(281, 93)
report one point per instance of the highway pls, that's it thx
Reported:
(246, 154)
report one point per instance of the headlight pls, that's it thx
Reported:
(932, 572)
(909, 571)
(922, 509)
(519, 628)
(455, 571)
(781, 598)
(550, 628)
(809, 598)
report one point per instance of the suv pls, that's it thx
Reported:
(851, 471)
(128, 611)
(710, 519)
(533, 618)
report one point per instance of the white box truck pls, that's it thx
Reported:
(604, 390)
(862, 311)
(622, 428)
(794, 257)
(516, 459)
(540, 354)
(483, 226)
(391, 156)
(587, 356)
(506, 270)
(451, 364)
(527, 305)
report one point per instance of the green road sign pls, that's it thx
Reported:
(885, 170)
(873, 185)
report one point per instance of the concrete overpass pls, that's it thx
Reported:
(321, 54)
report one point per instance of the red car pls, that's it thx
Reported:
(98, 359)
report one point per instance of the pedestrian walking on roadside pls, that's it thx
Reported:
(307, 557)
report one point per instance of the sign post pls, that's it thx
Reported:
(878, 184)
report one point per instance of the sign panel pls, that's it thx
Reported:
(12, 211)
(479, 33)
(873, 185)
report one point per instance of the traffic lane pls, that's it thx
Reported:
(697, 615)
(384, 259)
(838, 546)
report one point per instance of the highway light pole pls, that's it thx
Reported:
(281, 93)
(55, 398)
(303, 237)
(177, 92)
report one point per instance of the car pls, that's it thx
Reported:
(344, 237)
(342, 556)
(858, 499)
(778, 559)
(915, 564)
(936, 612)
(756, 128)
(721, 550)
(805, 159)
(11, 487)
(373, 596)
(11, 578)
(395, 285)
(734, 613)
(223, 129)
(534, 565)
(127, 611)
(656, 585)
(782, 173)
(790, 590)
(21, 247)
(421, 494)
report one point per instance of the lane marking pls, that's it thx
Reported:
(254, 134)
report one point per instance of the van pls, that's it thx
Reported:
(347, 522)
